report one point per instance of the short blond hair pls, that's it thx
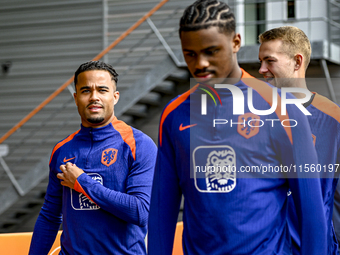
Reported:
(294, 41)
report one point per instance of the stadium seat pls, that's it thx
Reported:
(177, 249)
(19, 243)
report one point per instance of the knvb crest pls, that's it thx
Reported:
(214, 169)
(79, 201)
(223, 179)
(109, 156)
(248, 125)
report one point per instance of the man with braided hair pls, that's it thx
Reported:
(227, 209)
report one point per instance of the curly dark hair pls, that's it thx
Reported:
(95, 65)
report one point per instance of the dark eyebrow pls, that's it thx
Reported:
(209, 48)
(103, 87)
(88, 87)
(84, 87)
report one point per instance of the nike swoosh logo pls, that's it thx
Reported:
(181, 128)
(66, 160)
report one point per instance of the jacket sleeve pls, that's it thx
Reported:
(165, 199)
(132, 206)
(305, 185)
(49, 219)
(336, 210)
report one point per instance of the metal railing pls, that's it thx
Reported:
(4, 148)
(69, 81)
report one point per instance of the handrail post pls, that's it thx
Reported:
(165, 44)
(3, 153)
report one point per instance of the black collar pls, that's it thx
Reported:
(309, 101)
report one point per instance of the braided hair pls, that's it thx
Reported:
(206, 13)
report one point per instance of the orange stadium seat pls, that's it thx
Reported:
(19, 243)
(177, 249)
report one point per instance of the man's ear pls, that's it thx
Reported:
(115, 97)
(236, 42)
(298, 59)
(75, 98)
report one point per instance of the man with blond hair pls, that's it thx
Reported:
(285, 55)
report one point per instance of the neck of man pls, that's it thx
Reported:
(300, 82)
(236, 73)
(234, 76)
